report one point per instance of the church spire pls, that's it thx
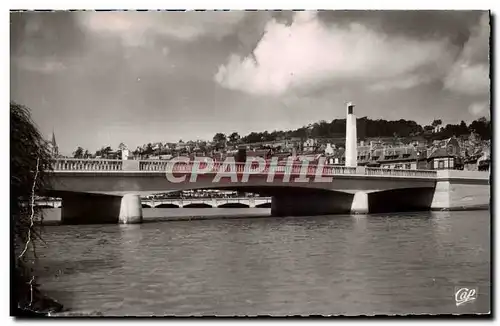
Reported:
(53, 145)
(54, 139)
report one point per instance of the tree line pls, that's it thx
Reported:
(366, 128)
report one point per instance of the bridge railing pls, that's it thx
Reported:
(72, 164)
(75, 164)
(150, 165)
(335, 170)
(400, 172)
(255, 168)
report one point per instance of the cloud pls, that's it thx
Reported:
(470, 73)
(46, 65)
(308, 52)
(469, 79)
(402, 83)
(135, 28)
(480, 109)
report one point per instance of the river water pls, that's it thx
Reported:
(351, 265)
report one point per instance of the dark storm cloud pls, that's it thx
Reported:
(45, 34)
(454, 25)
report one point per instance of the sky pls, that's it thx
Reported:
(102, 78)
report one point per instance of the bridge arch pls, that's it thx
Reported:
(265, 190)
(167, 205)
(233, 205)
(400, 200)
(263, 205)
(198, 205)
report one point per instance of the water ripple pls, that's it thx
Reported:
(352, 265)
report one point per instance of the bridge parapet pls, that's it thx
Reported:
(152, 165)
(69, 164)
(181, 167)
(74, 164)
(400, 172)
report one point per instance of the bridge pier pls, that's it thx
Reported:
(99, 209)
(311, 204)
(359, 203)
(130, 209)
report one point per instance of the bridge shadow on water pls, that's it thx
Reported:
(400, 200)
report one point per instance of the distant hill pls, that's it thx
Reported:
(368, 128)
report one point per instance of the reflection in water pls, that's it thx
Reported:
(375, 264)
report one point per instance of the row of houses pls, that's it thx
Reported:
(465, 152)
(444, 154)
(203, 147)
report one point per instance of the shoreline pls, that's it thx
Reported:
(172, 219)
(235, 215)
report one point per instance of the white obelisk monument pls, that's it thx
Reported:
(351, 139)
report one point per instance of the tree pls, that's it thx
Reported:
(148, 150)
(253, 137)
(137, 151)
(482, 127)
(122, 146)
(78, 153)
(203, 147)
(437, 123)
(219, 137)
(105, 151)
(30, 165)
(463, 128)
(301, 132)
(86, 154)
(219, 140)
(234, 138)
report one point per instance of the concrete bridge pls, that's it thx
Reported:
(97, 191)
(258, 202)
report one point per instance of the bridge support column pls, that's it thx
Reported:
(360, 203)
(130, 209)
